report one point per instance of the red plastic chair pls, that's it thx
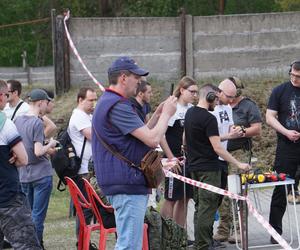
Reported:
(79, 203)
(94, 199)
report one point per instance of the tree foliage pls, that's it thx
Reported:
(35, 38)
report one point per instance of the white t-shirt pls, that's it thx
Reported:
(223, 113)
(79, 121)
(179, 114)
(9, 111)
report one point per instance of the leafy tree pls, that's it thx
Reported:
(289, 5)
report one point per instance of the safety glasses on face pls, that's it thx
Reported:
(193, 92)
(228, 96)
(296, 77)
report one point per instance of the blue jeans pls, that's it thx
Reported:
(129, 213)
(38, 195)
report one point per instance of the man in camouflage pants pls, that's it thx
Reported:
(15, 217)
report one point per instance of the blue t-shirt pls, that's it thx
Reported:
(121, 114)
(9, 177)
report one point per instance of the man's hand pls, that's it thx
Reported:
(170, 105)
(293, 135)
(244, 166)
(13, 158)
(236, 132)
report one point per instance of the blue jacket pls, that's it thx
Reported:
(115, 176)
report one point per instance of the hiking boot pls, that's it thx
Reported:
(291, 198)
(233, 240)
(220, 237)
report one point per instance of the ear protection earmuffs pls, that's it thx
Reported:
(211, 97)
(238, 84)
(291, 66)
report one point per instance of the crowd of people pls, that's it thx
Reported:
(209, 126)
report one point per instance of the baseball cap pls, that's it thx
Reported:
(37, 95)
(127, 63)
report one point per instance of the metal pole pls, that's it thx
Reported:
(53, 25)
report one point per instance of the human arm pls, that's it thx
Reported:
(155, 116)
(49, 127)
(223, 153)
(19, 154)
(271, 119)
(153, 136)
(40, 149)
(87, 133)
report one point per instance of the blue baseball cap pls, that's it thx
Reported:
(37, 95)
(127, 63)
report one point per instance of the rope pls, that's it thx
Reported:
(25, 22)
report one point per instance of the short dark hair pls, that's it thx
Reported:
(296, 65)
(113, 76)
(15, 86)
(142, 87)
(82, 92)
(206, 88)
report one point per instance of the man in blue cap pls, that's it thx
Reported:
(117, 128)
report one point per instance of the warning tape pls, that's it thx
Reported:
(231, 195)
(75, 51)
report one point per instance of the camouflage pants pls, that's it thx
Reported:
(225, 210)
(153, 219)
(206, 205)
(17, 226)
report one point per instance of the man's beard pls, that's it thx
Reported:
(211, 107)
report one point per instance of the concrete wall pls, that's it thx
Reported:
(153, 42)
(216, 46)
(34, 75)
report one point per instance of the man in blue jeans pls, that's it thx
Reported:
(36, 176)
(116, 123)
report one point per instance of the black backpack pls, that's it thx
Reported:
(63, 165)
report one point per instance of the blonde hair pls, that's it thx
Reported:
(184, 83)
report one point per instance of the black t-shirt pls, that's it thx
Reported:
(285, 99)
(199, 126)
(245, 113)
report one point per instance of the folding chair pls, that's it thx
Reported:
(80, 202)
(94, 199)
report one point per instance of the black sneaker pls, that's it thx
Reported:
(6, 245)
(42, 245)
(93, 246)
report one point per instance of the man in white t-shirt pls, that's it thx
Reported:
(227, 130)
(15, 105)
(80, 127)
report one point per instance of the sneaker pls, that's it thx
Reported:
(190, 242)
(93, 246)
(291, 199)
(217, 244)
(220, 237)
(233, 240)
(6, 245)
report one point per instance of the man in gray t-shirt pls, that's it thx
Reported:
(36, 176)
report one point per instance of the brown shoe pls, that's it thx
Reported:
(232, 239)
(220, 237)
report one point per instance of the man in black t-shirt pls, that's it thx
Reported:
(203, 147)
(283, 114)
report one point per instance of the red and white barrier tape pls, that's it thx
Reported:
(72, 46)
(231, 195)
